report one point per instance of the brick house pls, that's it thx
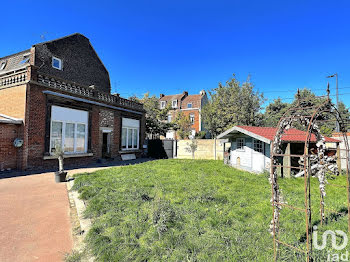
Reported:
(190, 105)
(58, 93)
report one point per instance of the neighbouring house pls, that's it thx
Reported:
(251, 146)
(58, 93)
(190, 105)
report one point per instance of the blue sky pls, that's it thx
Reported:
(171, 46)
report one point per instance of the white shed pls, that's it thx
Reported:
(250, 147)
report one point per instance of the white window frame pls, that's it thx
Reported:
(75, 136)
(162, 104)
(192, 116)
(189, 106)
(256, 145)
(242, 149)
(172, 104)
(60, 63)
(169, 117)
(134, 130)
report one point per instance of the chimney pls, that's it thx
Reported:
(161, 95)
(185, 93)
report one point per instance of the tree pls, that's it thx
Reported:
(192, 147)
(182, 125)
(307, 98)
(156, 123)
(274, 111)
(344, 114)
(232, 104)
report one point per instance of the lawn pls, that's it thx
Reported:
(195, 210)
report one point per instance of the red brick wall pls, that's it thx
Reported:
(9, 155)
(195, 125)
(116, 138)
(36, 134)
(35, 128)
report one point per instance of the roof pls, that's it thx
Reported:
(13, 62)
(60, 38)
(4, 119)
(267, 134)
(171, 97)
(193, 97)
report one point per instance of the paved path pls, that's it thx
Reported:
(34, 219)
(34, 215)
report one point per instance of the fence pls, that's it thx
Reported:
(160, 149)
(206, 149)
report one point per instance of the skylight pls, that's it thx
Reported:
(3, 64)
(57, 63)
(25, 59)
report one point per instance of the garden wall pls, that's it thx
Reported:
(206, 149)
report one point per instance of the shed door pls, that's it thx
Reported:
(258, 158)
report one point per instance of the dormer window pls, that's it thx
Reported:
(25, 59)
(174, 104)
(189, 105)
(162, 104)
(3, 64)
(57, 63)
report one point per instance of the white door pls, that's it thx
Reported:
(258, 157)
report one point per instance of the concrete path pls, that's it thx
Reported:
(34, 219)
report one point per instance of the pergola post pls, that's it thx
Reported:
(287, 162)
(338, 158)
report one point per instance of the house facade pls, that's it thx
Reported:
(58, 94)
(190, 105)
(251, 147)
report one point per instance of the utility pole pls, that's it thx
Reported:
(337, 97)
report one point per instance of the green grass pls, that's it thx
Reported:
(195, 210)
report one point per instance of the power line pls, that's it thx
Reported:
(292, 98)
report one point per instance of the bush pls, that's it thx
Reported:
(200, 135)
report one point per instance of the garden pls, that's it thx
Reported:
(197, 210)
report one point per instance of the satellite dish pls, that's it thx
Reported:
(18, 142)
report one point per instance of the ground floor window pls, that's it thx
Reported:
(240, 144)
(69, 130)
(258, 146)
(130, 133)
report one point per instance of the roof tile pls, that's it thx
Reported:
(292, 134)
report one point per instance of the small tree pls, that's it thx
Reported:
(192, 147)
(183, 125)
(155, 116)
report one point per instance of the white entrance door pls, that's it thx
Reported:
(258, 157)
